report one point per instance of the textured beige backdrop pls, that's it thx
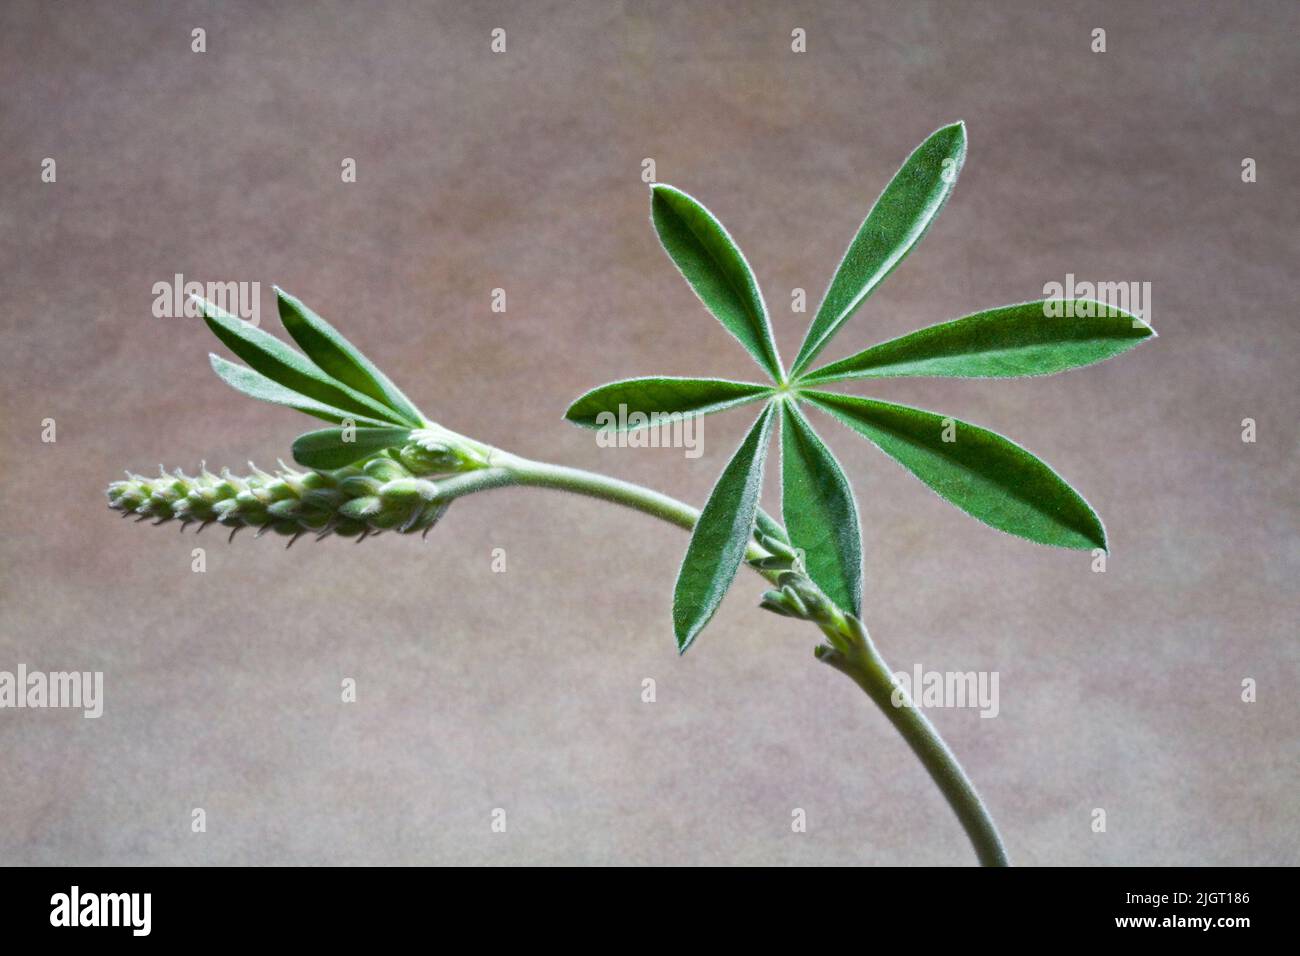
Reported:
(522, 171)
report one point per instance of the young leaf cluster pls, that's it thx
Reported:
(329, 379)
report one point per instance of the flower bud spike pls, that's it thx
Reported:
(349, 502)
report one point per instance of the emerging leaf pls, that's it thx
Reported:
(716, 269)
(332, 448)
(819, 510)
(339, 358)
(721, 535)
(273, 359)
(895, 224)
(771, 527)
(1008, 342)
(658, 396)
(256, 385)
(987, 476)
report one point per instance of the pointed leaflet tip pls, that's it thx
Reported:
(721, 535)
(256, 385)
(820, 512)
(277, 362)
(334, 355)
(712, 264)
(986, 475)
(898, 220)
(636, 403)
(1011, 341)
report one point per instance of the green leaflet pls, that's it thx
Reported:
(270, 357)
(326, 450)
(716, 269)
(819, 510)
(1007, 342)
(340, 359)
(256, 385)
(895, 224)
(721, 535)
(987, 476)
(658, 396)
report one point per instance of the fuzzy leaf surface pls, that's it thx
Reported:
(660, 396)
(896, 223)
(326, 450)
(337, 357)
(716, 269)
(1007, 342)
(819, 510)
(721, 535)
(268, 356)
(988, 476)
(256, 385)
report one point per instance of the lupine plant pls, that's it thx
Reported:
(385, 466)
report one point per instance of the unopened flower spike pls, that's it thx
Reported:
(286, 502)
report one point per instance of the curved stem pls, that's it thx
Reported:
(541, 475)
(862, 662)
(851, 652)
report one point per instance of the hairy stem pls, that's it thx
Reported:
(851, 652)
(862, 662)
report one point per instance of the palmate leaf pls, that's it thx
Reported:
(256, 385)
(721, 535)
(1008, 342)
(332, 448)
(895, 224)
(989, 477)
(659, 396)
(271, 358)
(819, 510)
(716, 269)
(337, 357)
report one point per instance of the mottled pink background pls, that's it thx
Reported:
(522, 171)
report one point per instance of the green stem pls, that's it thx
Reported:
(852, 651)
(859, 659)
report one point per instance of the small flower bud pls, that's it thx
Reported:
(423, 460)
(360, 508)
(385, 469)
(357, 485)
(409, 490)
